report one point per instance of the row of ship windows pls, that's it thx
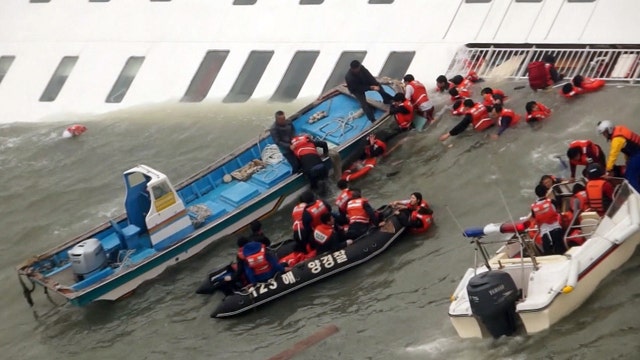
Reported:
(290, 85)
(317, 2)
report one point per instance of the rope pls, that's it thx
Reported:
(26, 291)
(271, 155)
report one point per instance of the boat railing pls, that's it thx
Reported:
(510, 61)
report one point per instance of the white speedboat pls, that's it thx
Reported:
(517, 292)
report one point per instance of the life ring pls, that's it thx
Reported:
(74, 130)
(359, 169)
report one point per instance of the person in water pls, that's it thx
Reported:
(475, 113)
(547, 219)
(359, 80)
(506, 118)
(282, 132)
(536, 112)
(415, 92)
(305, 149)
(623, 141)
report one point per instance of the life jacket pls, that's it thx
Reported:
(632, 144)
(404, 120)
(322, 234)
(303, 145)
(342, 199)
(539, 75)
(472, 75)
(258, 261)
(508, 112)
(419, 95)
(479, 117)
(356, 212)
(407, 203)
(464, 88)
(544, 212)
(458, 106)
(574, 91)
(296, 217)
(491, 99)
(378, 143)
(597, 201)
(586, 147)
(583, 200)
(542, 113)
(591, 84)
(425, 219)
(316, 210)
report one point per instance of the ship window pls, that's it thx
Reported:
(380, 1)
(99, 0)
(249, 77)
(295, 76)
(122, 84)
(244, 2)
(135, 178)
(397, 64)
(477, 1)
(39, 1)
(533, 1)
(342, 66)
(59, 78)
(581, 0)
(311, 2)
(5, 64)
(205, 76)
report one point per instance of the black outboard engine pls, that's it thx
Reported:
(493, 296)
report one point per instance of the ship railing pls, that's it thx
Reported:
(510, 62)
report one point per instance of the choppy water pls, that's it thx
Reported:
(394, 307)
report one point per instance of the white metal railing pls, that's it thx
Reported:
(511, 63)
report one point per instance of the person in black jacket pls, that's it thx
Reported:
(359, 80)
(282, 131)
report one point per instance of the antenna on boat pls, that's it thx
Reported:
(523, 244)
(476, 240)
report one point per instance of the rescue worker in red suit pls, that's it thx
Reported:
(474, 113)
(543, 74)
(328, 236)
(415, 92)
(623, 141)
(259, 264)
(311, 217)
(300, 233)
(360, 214)
(506, 118)
(304, 148)
(403, 111)
(584, 152)
(548, 220)
(341, 202)
(536, 112)
(599, 190)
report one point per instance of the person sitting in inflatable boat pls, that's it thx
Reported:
(259, 264)
(580, 85)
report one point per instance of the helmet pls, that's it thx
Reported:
(605, 125)
(594, 171)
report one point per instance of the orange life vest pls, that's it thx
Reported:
(544, 212)
(583, 199)
(342, 199)
(590, 84)
(303, 145)
(574, 91)
(539, 75)
(356, 212)
(479, 117)
(258, 262)
(542, 113)
(458, 107)
(425, 219)
(419, 95)
(632, 145)
(596, 199)
(316, 210)
(508, 112)
(411, 207)
(586, 147)
(378, 143)
(322, 233)
(464, 88)
(296, 216)
(404, 120)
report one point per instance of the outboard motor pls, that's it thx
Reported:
(493, 296)
(87, 257)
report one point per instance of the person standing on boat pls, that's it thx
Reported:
(282, 131)
(328, 236)
(360, 214)
(305, 149)
(623, 141)
(599, 190)
(417, 94)
(259, 264)
(584, 152)
(547, 218)
(257, 234)
(359, 80)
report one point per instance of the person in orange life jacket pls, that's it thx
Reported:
(237, 279)
(304, 148)
(548, 220)
(506, 117)
(360, 214)
(403, 110)
(374, 148)
(257, 234)
(468, 118)
(328, 236)
(419, 220)
(442, 84)
(623, 141)
(579, 200)
(536, 112)
(406, 207)
(599, 190)
(341, 202)
(359, 80)
(584, 152)
(300, 233)
(417, 94)
(491, 96)
(282, 131)
(458, 102)
(311, 217)
(259, 264)
(580, 85)
(543, 74)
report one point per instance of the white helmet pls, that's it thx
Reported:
(605, 125)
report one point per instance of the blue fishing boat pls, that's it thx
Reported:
(164, 224)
